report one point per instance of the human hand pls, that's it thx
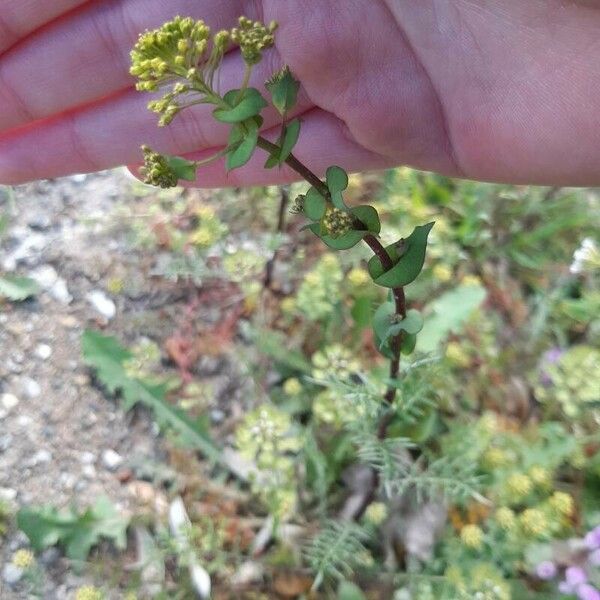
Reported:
(487, 89)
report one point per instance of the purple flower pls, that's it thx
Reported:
(587, 592)
(575, 576)
(546, 570)
(592, 539)
(594, 557)
(551, 357)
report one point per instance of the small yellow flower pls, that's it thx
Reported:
(489, 422)
(471, 280)
(519, 485)
(495, 457)
(376, 513)
(23, 559)
(472, 536)
(358, 277)
(540, 476)
(288, 305)
(292, 387)
(442, 273)
(505, 517)
(534, 522)
(562, 503)
(89, 592)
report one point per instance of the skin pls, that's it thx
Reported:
(499, 90)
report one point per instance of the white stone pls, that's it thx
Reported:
(40, 457)
(43, 351)
(8, 401)
(31, 388)
(45, 276)
(8, 494)
(89, 471)
(111, 460)
(11, 574)
(102, 304)
(87, 458)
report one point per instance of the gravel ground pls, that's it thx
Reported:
(61, 440)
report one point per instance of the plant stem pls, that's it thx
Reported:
(283, 203)
(296, 165)
(378, 250)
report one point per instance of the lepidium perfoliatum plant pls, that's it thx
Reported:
(180, 61)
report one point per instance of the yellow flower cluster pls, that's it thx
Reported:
(358, 277)
(336, 222)
(518, 486)
(170, 50)
(505, 517)
(89, 592)
(23, 559)
(253, 37)
(562, 503)
(156, 170)
(472, 536)
(534, 522)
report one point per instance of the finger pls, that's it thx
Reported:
(324, 141)
(110, 132)
(19, 19)
(86, 57)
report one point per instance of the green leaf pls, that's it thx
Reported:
(314, 205)
(183, 168)
(411, 325)
(408, 344)
(382, 320)
(106, 356)
(337, 182)
(242, 143)
(77, 533)
(242, 108)
(344, 242)
(368, 216)
(448, 313)
(292, 132)
(408, 257)
(287, 141)
(284, 90)
(349, 591)
(17, 288)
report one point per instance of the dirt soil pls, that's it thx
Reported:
(61, 439)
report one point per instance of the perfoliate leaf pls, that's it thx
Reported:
(243, 107)
(107, 356)
(292, 132)
(408, 258)
(242, 143)
(17, 288)
(337, 182)
(407, 346)
(287, 141)
(77, 533)
(314, 204)
(382, 320)
(284, 90)
(183, 168)
(344, 242)
(368, 216)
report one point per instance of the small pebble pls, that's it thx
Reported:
(8, 401)
(11, 574)
(31, 388)
(102, 304)
(43, 351)
(111, 460)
